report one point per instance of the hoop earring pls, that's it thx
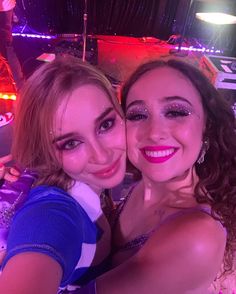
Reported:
(204, 149)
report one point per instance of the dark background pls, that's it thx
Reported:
(157, 18)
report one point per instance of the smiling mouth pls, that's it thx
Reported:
(159, 154)
(108, 172)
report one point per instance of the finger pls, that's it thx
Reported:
(14, 172)
(10, 178)
(6, 158)
(2, 170)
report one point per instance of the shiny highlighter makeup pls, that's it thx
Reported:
(165, 124)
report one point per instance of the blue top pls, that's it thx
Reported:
(53, 223)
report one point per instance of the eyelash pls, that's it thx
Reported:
(171, 112)
(110, 121)
(136, 116)
(64, 146)
(175, 113)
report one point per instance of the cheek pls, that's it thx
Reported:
(190, 138)
(192, 132)
(73, 163)
(133, 135)
(117, 138)
(132, 145)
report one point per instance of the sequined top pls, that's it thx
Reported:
(12, 197)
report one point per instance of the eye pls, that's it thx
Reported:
(177, 111)
(69, 145)
(106, 125)
(136, 115)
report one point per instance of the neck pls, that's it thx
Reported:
(175, 192)
(97, 190)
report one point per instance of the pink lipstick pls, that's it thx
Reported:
(158, 154)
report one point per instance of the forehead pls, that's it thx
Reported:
(84, 97)
(163, 82)
(83, 105)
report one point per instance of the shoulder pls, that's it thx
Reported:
(51, 208)
(46, 191)
(196, 232)
(192, 244)
(51, 197)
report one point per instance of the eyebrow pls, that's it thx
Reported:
(104, 114)
(62, 137)
(135, 102)
(97, 120)
(165, 99)
(173, 98)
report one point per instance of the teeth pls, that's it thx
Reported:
(161, 153)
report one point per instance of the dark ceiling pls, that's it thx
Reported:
(158, 18)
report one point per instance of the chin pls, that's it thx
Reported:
(113, 182)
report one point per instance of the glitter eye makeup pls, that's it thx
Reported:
(137, 113)
(177, 110)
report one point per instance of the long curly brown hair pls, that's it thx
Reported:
(217, 174)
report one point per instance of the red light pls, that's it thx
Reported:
(8, 96)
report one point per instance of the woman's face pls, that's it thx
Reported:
(165, 124)
(90, 138)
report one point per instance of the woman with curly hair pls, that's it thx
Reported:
(175, 232)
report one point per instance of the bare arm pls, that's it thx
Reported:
(31, 273)
(183, 256)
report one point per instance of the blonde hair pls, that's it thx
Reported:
(38, 101)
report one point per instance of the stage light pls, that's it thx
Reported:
(8, 93)
(217, 18)
(8, 96)
(212, 11)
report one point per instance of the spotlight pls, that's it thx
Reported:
(217, 18)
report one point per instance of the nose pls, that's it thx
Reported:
(99, 154)
(156, 129)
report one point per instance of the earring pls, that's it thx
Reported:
(205, 147)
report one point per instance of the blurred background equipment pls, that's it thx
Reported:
(7, 103)
(221, 70)
(216, 14)
(7, 88)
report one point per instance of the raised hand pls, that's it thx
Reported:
(8, 173)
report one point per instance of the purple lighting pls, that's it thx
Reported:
(33, 36)
(207, 50)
